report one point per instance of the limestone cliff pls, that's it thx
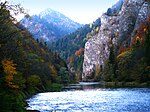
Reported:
(116, 28)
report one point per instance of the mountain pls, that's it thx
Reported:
(60, 20)
(49, 25)
(121, 45)
(71, 46)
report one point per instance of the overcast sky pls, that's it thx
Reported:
(82, 11)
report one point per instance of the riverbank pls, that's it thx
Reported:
(126, 84)
(102, 84)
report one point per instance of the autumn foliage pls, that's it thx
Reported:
(10, 71)
(79, 52)
(139, 37)
(121, 50)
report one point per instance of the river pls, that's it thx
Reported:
(90, 97)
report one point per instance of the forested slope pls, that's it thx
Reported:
(26, 65)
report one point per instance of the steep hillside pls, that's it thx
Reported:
(49, 25)
(26, 66)
(117, 32)
(71, 46)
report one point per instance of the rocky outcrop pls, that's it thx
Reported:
(97, 48)
(115, 28)
(142, 15)
(128, 17)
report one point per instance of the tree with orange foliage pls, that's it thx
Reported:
(121, 50)
(128, 48)
(143, 29)
(79, 52)
(10, 71)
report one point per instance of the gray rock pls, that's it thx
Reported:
(127, 18)
(97, 48)
(143, 13)
(132, 13)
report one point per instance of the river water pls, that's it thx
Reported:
(89, 97)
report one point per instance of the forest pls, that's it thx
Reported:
(27, 66)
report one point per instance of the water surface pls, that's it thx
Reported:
(92, 100)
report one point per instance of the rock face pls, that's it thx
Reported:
(97, 48)
(115, 28)
(128, 16)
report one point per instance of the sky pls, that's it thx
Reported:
(81, 11)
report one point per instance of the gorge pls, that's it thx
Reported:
(49, 62)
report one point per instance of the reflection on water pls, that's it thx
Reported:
(84, 86)
(92, 100)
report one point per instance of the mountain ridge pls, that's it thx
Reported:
(49, 25)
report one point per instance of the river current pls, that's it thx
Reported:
(87, 97)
